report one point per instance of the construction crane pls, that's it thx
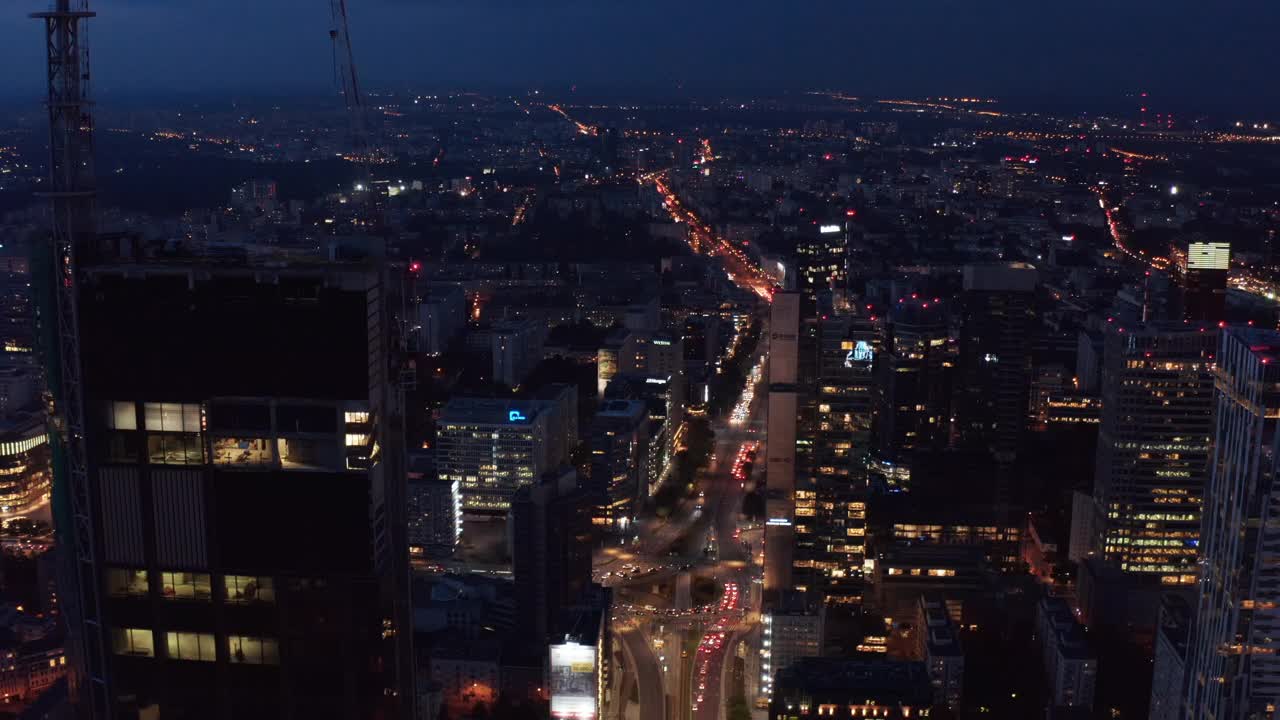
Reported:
(344, 67)
(71, 194)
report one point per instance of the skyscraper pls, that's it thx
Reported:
(551, 550)
(780, 460)
(248, 500)
(619, 462)
(994, 370)
(831, 482)
(1153, 450)
(822, 252)
(913, 389)
(1233, 670)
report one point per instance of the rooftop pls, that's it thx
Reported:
(875, 678)
(492, 411)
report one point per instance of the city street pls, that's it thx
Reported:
(691, 686)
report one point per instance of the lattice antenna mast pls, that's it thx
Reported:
(71, 193)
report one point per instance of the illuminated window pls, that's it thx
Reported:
(173, 433)
(172, 417)
(244, 589)
(242, 452)
(133, 641)
(191, 646)
(127, 582)
(253, 650)
(185, 586)
(358, 417)
(122, 416)
(309, 453)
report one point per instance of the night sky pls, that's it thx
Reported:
(1182, 50)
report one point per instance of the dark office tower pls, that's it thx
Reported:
(1153, 450)
(1200, 269)
(619, 463)
(831, 484)
(913, 389)
(780, 459)
(609, 149)
(821, 255)
(246, 464)
(551, 549)
(993, 384)
(1233, 670)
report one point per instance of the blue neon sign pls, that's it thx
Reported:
(515, 416)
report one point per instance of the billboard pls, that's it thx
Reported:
(573, 681)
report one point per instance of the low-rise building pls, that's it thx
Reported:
(939, 647)
(1070, 666)
(832, 687)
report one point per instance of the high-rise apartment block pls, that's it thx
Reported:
(434, 509)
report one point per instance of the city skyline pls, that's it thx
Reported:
(738, 362)
(1185, 57)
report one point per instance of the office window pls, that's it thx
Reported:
(242, 452)
(310, 453)
(244, 589)
(122, 415)
(180, 443)
(253, 650)
(191, 646)
(175, 449)
(185, 586)
(306, 419)
(133, 641)
(172, 417)
(127, 582)
(249, 418)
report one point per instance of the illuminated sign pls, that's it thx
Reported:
(656, 381)
(661, 342)
(828, 229)
(573, 681)
(861, 353)
(779, 522)
(515, 416)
